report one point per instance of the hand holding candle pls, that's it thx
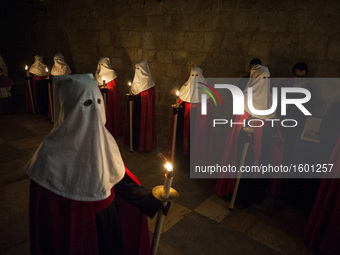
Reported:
(163, 193)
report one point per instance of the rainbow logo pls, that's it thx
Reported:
(209, 93)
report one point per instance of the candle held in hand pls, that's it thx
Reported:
(168, 180)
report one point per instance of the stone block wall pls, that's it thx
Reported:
(220, 36)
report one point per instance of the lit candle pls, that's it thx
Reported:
(130, 118)
(168, 180)
(26, 68)
(177, 98)
(104, 81)
(48, 75)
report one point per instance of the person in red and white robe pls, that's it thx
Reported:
(265, 147)
(190, 102)
(144, 126)
(38, 73)
(114, 118)
(83, 200)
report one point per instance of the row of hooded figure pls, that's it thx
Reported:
(142, 89)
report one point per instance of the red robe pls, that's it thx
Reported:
(33, 80)
(226, 186)
(63, 226)
(201, 134)
(145, 115)
(114, 119)
(185, 122)
(322, 229)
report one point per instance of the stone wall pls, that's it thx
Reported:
(220, 36)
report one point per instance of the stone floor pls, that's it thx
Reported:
(199, 222)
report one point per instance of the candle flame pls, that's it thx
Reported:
(177, 93)
(26, 67)
(103, 78)
(129, 83)
(168, 166)
(46, 70)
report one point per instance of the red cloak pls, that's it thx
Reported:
(322, 229)
(226, 186)
(144, 115)
(114, 119)
(37, 104)
(63, 226)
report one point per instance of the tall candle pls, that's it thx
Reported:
(130, 87)
(177, 98)
(104, 81)
(168, 180)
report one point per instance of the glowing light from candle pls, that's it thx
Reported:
(46, 70)
(103, 79)
(129, 83)
(177, 93)
(26, 67)
(168, 166)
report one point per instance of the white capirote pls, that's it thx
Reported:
(261, 96)
(142, 80)
(38, 67)
(104, 70)
(60, 67)
(79, 159)
(190, 92)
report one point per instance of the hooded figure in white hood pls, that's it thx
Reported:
(143, 90)
(266, 146)
(60, 67)
(76, 174)
(39, 86)
(114, 118)
(190, 103)
(259, 83)
(190, 92)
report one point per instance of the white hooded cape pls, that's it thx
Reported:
(104, 70)
(60, 67)
(142, 80)
(261, 96)
(38, 67)
(190, 92)
(79, 159)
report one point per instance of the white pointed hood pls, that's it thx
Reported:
(104, 70)
(190, 92)
(38, 67)
(60, 67)
(142, 80)
(79, 159)
(261, 96)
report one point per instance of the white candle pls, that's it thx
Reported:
(168, 180)
(177, 98)
(48, 75)
(26, 68)
(129, 87)
(104, 81)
